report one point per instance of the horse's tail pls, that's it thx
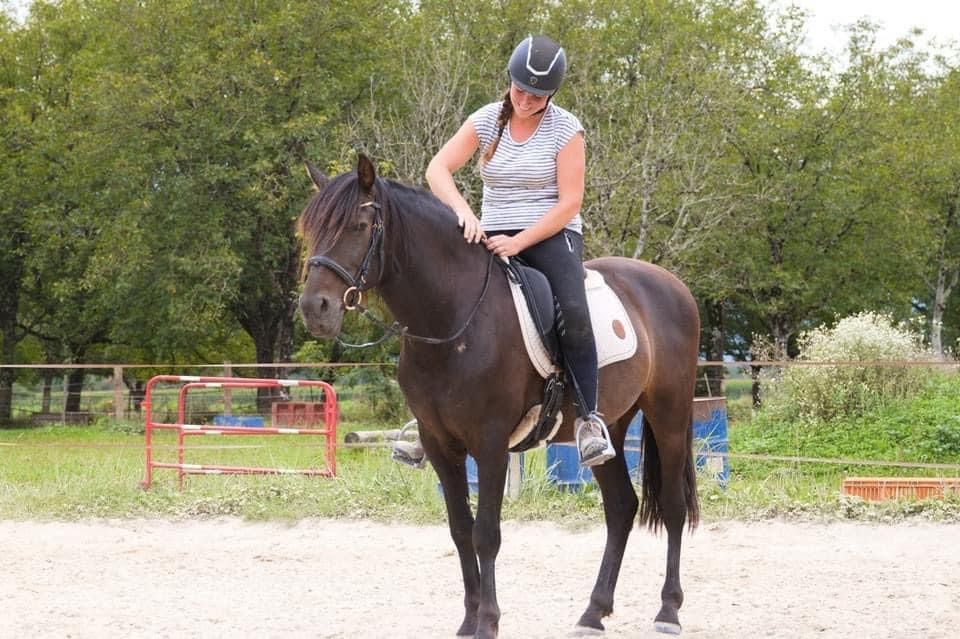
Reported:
(651, 512)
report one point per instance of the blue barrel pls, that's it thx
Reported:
(247, 421)
(564, 469)
(473, 478)
(563, 462)
(631, 446)
(709, 437)
(710, 441)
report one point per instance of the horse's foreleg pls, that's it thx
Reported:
(492, 473)
(620, 505)
(453, 478)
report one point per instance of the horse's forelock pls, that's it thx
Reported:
(329, 211)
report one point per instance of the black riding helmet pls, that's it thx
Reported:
(537, 65)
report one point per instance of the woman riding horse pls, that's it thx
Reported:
(532, 167)
(463, 368)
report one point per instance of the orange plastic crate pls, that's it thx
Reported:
(883, 488)
(298, 413)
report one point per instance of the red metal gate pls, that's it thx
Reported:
(299, 414)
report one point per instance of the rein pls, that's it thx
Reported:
(357, 284)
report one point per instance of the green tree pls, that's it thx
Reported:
(821, 239)
(168, 148)
(654, 82)
(53, 234)
(13, 239)
(925, 144)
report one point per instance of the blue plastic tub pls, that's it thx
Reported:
(563, 467)
(247, 421)
(709, 436)
(473, 480)
(563, 462)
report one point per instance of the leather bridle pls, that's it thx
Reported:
(357, 284)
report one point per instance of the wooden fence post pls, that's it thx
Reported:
(514, 475)
(66, 394)
(118, 405)
(227, 393)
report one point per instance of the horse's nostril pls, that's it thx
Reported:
(314, 306)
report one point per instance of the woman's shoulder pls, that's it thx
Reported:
(565, 118)
(487, 112)
(484, 122)
(565, 125)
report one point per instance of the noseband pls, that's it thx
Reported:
(357, 284)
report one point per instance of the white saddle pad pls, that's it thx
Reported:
(612, 329)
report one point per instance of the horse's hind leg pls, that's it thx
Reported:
(620, 507)
(667, 453)
(452, 471)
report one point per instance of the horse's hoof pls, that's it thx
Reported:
(666, 627)
(586, 631)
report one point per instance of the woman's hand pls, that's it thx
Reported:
(504, 245)
(472, 232)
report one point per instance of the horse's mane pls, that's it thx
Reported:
(331, 210)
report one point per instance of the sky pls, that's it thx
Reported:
(939, 20)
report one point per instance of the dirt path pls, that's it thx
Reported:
(322, 578)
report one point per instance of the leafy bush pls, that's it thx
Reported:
(945, 440)
(379, 390)
(825, 392)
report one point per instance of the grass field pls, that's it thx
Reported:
(76, 472)
(67, 472)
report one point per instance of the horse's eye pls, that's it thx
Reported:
(360, 227)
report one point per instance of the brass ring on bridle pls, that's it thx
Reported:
(352, 297)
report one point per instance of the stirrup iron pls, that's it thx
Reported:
(602, 455)
(403, 451)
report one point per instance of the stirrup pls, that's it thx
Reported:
(408, 453)
(599, 448)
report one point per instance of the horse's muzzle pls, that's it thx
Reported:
(322, 315)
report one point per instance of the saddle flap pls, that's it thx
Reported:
(612, 328)
(536, 292)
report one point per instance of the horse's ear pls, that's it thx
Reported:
(366, 172)
(319, 179)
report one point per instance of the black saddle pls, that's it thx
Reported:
(549, 322)
(543, 306)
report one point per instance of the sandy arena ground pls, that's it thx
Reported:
(319, 578)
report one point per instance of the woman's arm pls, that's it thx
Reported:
(449, 159)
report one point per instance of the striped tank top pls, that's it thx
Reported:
(520, 181)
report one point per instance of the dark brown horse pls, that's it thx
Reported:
(468, 380)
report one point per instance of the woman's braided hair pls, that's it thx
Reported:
(506, 110)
